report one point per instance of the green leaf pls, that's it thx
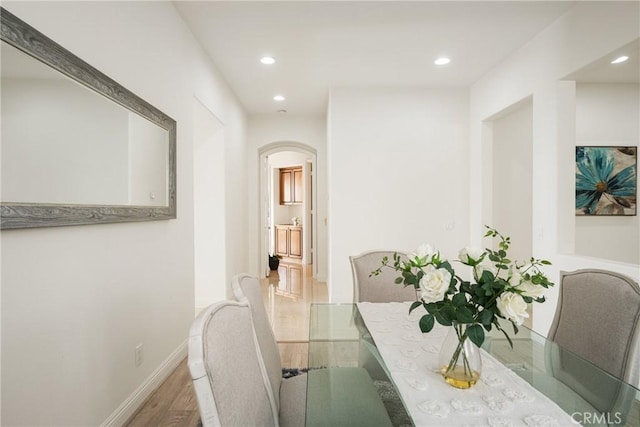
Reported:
(486, 317)
(443, 318)
(459, 299)
(426, 323)
(476, 334)
(415, 305)
(449, 310)
(432, 307)
(464, 315)
(487, 276)
(398, 280)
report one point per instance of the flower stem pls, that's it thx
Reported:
(462, 337)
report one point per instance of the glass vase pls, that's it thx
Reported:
(459, 358)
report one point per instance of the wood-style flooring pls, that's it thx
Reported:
(287, 294)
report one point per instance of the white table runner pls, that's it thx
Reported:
(500, 398)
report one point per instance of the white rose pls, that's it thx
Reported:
(434, 284)
(529, 289)
(470, 255)
(513, 307)
(514, 277)
(424, 252)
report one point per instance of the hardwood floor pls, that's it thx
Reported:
(287, 294)
(172, 404)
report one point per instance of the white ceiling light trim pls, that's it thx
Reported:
(443, 60)
(279, 98)
(268, 60)
(620, 59)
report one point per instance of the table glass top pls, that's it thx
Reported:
(338, 337)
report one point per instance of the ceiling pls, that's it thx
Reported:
(603, 71)
(323, 44)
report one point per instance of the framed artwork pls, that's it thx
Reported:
(606, 180)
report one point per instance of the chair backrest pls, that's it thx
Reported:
(597, 318)
(381, 288)
(226, 368)
(247, 288)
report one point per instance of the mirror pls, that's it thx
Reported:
(77, 148)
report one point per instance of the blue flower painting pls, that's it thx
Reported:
(606, 180)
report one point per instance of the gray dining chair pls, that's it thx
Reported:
(378, 289)
(348, 392)
(597, 319)
(381, 288)
(227, 369)
(289, 395)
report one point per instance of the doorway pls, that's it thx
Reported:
(288, 200)
(510, 179)
(209, 216)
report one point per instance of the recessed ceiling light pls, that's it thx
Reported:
(620, 59)
(442, 61)
(268, 60)
(282, 111)
(278, 98)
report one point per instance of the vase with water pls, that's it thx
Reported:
(459, 359)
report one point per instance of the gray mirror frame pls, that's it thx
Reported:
(32, 215)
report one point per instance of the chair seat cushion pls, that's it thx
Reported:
(293, 401)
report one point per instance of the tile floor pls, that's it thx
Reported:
(288, 294)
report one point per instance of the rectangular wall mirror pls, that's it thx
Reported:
(77, 147)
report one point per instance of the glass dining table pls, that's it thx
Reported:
(339, 338)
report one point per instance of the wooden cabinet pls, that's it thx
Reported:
(289, 241)
(282, 241)
(291, 187)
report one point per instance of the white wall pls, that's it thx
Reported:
(398, 174)
(511, 179)
(77, 300)
(535, 69)
(308, 130)
(608, 114)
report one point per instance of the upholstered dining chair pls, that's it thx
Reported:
(226, 368)
(289, 395)
(597, 319)
(290, 392)
(381, 288)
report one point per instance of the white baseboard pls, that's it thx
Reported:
(121, 415)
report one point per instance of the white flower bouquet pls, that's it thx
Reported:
(501, 288)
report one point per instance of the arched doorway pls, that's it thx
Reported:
(265, 197)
